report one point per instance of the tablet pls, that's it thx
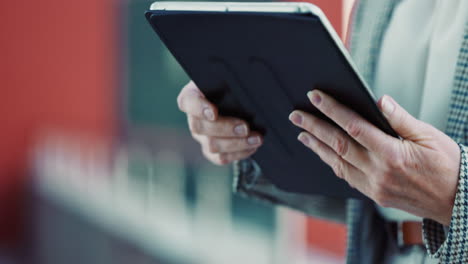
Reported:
(257, 61)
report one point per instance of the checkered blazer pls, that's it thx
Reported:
(369, 239)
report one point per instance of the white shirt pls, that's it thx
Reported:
(417, 63)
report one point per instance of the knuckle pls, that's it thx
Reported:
(310, 123)
(180, 99)
(401, 160)
(216, 159)
(338, 169)
(197, 138)
(398, 164)
(396, 161)
(340, 145)
(208, 155)
(354, 128)
(410, 164)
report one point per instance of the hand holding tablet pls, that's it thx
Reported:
(256, 62)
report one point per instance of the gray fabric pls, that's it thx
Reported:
(412, 255)
(251, 184)
(370, 22)
(368, 234)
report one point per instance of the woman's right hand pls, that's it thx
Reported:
(222, 139)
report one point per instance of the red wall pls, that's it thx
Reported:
(333, 9)
(57, 70)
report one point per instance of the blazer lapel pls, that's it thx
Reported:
(367, 31)
(458, 113)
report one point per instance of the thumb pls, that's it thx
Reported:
(401, 121)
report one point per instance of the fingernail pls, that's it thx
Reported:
(296, 118)
(255, 140)
(303, 138)
(314, 97)
(387, 106)
(208, 113)
(240, 130)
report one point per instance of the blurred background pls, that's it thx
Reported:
(96, 162)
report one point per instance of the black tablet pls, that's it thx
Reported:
(257, 61)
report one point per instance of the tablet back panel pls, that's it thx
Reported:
(259, 67)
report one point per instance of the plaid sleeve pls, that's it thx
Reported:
(451, 246)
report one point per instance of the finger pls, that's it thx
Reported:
(227, 145)
(223, 127)
(240, 155)
(226, 158)
(341, 168)
(335, 138)
(192, 101)
(357, 127)
(400, 120)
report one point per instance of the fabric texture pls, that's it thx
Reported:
(453, 246)
(414, 254)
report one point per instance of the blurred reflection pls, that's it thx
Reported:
(142, 197)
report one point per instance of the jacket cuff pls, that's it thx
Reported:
(251, 183)
(451, 246)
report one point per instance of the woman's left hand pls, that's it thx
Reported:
(417, 174)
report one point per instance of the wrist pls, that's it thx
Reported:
(446, 204)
